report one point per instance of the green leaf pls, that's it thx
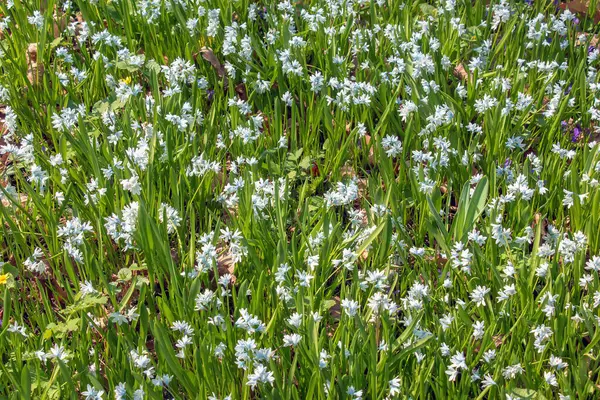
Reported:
(62, 328)
(367, 242)
(85, 302)
(100, 107)
(165, 351)
(153, 66)
(440, 234)
(305, 163)
(55, 42)
(528, 394)
(125, 66)
(476, 206)
(124, 275)
(25, 383)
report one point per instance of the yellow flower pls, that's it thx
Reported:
(3, 279)
(126, 80)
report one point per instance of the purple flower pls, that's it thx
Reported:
(262, 13)
(568, 89)
(576, 134)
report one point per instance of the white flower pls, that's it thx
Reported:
(304, 278)
(250, 323)
(512, 371)
(342, 195)
(41, 355)
(118, 318)
(446, 321)
(87, 288)
(59, 353)
(487, 381)
(478, 295)
(507, 292)
(120, 391)
(260, 375)
(478, 330)
(132, 185)
(351, 307)
(357, 394)
(138, 394)
(291, 340)
(295, 320)
(457, 363)
(92, 393)
(557, 363)
(36, 19)
(550, 378)
(394, 386)
(392, 146)
(541, 333)
(183, 326)
(16, 328)
(593, 264)
(489, 356)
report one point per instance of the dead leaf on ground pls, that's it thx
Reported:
(209, 56)
(240, 89)
(60, 23)
(335, 311)
(225, 263)
(22, 200)
(461, 73)
(498, 340)
(582, 7)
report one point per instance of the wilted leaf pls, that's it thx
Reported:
(209, 56)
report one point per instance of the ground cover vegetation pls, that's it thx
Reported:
(319, 199)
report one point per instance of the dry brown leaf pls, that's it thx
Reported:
(209, 56)
(60, 23)
(461, 73)
(34, 70)
(225, 263)
(371, 154)
(240, 89)
(348, 171)
(22, 200)
(336, 310)
(498, 340)
(582, 7)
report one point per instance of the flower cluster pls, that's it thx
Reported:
(326, 199)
